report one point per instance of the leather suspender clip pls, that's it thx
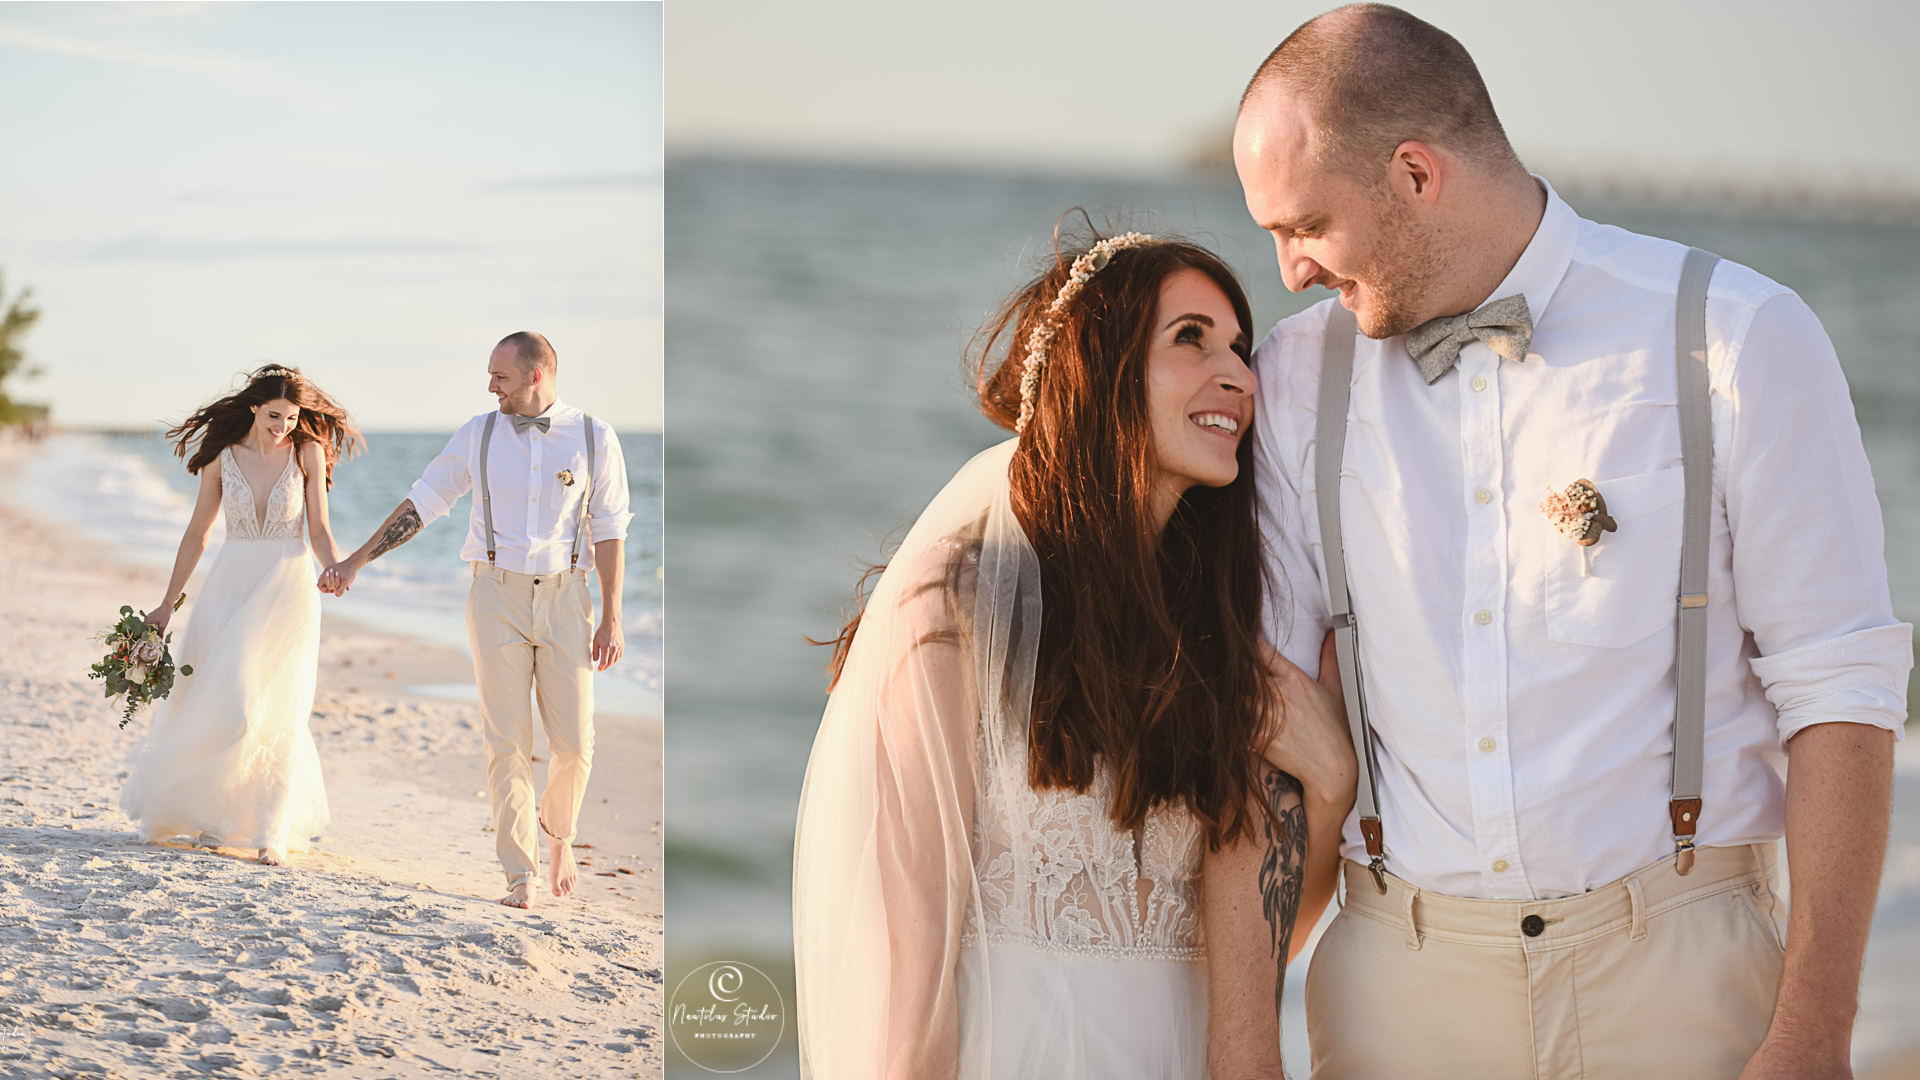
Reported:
(1376, 853)
(1686, 819)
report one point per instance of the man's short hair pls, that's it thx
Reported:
(1372, 77)
(532, 350)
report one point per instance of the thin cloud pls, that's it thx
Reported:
(616, 181)
(172, 11)
(246, 75)
(143, 247)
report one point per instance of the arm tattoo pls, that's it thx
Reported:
(398, 533)
(1284, 867)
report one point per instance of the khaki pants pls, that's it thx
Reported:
(532, 637)
(1654, 975)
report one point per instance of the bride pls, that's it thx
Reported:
(1044, 829)
(229, 758)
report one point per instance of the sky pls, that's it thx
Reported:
(1764, 92)
(374, 193)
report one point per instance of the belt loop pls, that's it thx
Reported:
(1639, 902)
(1413, 928)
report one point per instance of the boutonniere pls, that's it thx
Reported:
(1580, 514)
(565, 476)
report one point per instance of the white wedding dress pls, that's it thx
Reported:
(949, 920)
(229, 755)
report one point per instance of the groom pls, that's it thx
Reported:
(551, 487)
(1577, 755)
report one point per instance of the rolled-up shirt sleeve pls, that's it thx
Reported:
(446, 477)
(1809, 559)
(1295, 610)
(607, 514)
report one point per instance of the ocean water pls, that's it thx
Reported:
(817, 318)
(130, 491)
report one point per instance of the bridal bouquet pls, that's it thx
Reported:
(137, 663)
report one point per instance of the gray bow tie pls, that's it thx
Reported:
(545, 423)
(1504, 324)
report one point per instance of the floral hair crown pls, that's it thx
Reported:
(1040, 339)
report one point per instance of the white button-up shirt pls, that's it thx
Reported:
(1522, 706)
(536, 514)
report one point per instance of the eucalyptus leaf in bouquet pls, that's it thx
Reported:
(138, 665)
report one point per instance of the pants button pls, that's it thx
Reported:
(536, 581)
(1532, 925)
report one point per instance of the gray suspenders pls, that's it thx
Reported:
(486, 492)
(1696, 443)
(1696, 446)
(1330, 445)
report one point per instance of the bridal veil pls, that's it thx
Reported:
(949, 920)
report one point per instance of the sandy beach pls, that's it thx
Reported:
(380, 953)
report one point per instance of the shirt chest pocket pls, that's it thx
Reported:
(570, 480)
(1629, 583)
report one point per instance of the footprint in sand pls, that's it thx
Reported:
(334, 1005)
(207, 1034)
(152, 1040)
(180, 1010)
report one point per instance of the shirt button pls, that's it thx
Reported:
(1479, 382)
(1483, 616)
(1499, 866)
(1487, 745)
(1483, 495)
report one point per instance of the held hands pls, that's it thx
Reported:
(1311, 741)
(336, 578)
(608, 644)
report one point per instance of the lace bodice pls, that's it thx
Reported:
(286, 503)
(1057, 875)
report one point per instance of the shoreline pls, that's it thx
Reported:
(380, 952)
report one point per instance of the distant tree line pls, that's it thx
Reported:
(19, 318)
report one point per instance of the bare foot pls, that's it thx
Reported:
(560, 866)
(520, 896)
(273, 858)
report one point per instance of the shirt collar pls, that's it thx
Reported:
(1544, 263)
(557, 411)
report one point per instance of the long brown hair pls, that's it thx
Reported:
(225, 421)
(1149, 659)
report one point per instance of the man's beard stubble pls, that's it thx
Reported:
(1399, 273)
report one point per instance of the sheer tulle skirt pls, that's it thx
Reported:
(230, 752)
(1081, 1017)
